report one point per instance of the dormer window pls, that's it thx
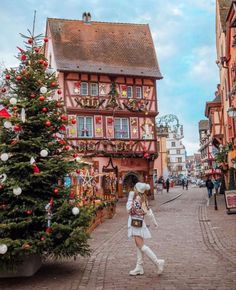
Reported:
(84, 88)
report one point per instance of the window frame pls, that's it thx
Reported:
(136, 89)
(91, 90)
(131, 91)
(81, 90)
(85, 124)
(173, 142)
(121, 127)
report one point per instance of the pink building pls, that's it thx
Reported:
(107, 74)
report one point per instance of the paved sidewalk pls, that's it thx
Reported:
(197, 242)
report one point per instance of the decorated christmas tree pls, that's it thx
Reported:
(39, 212)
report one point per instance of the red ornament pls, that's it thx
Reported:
(41, 98)
(36, 169)
(17, 128)
(64, 118)
(78, 171)
(56, 190)
(29, 212)
(37, 49)
(53, 84)
(45, 63)
(4, 90)
(45, 39)
(62, 128)
(23, 57)
(7, 77)
(67, 147)
(44, 109)
(48, 123)
(40, 61)
(62, 142)
(73, 121)
(42, 238)
(18, 78)
(48, 230)
(75, 155)
(32, 95)
(15, 108)
(30, 40)
(59, 92)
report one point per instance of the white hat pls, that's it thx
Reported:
(141, 187)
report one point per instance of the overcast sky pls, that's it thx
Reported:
(183, 33)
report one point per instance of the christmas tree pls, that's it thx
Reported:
(39, 211)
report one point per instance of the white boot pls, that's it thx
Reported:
(158, 262)
(139, 266)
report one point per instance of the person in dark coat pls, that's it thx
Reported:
(167, 184)
(209, 186)
(183, 183)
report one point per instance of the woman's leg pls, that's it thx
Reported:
(139, 265)
(151, 255)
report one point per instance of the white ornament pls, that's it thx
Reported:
(13, 101)
(75, 210)
(44, 153)
(7, 124)
(78, 159)
(3, 249)
(17, 190)
(3, 177)
(43, 90)
(4, 156)
(32, 160)
(22, 114)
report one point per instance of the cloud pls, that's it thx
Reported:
(202, 67)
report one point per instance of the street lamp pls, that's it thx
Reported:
(231, 112)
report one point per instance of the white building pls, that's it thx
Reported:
(176, 154)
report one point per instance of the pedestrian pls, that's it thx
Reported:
(186, 184)
(138, 208)
(183, 183)
(217, 184)
(209, 186)
(167, 184)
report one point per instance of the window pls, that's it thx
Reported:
(139, 92)
(121, 128)
(129, 92)
(85, 127)
(94, 89)
(178, 151)
(179, 159)
(84, 89)
(172, 144)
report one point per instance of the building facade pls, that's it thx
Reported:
(176, 155)
(107, 74)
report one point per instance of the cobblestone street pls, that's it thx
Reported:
(197, 242)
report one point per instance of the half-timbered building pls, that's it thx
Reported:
(107, 74)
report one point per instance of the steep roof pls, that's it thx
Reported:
(102, 47)
(203, 125)
(224, 6)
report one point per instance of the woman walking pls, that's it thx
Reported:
(137, 208)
